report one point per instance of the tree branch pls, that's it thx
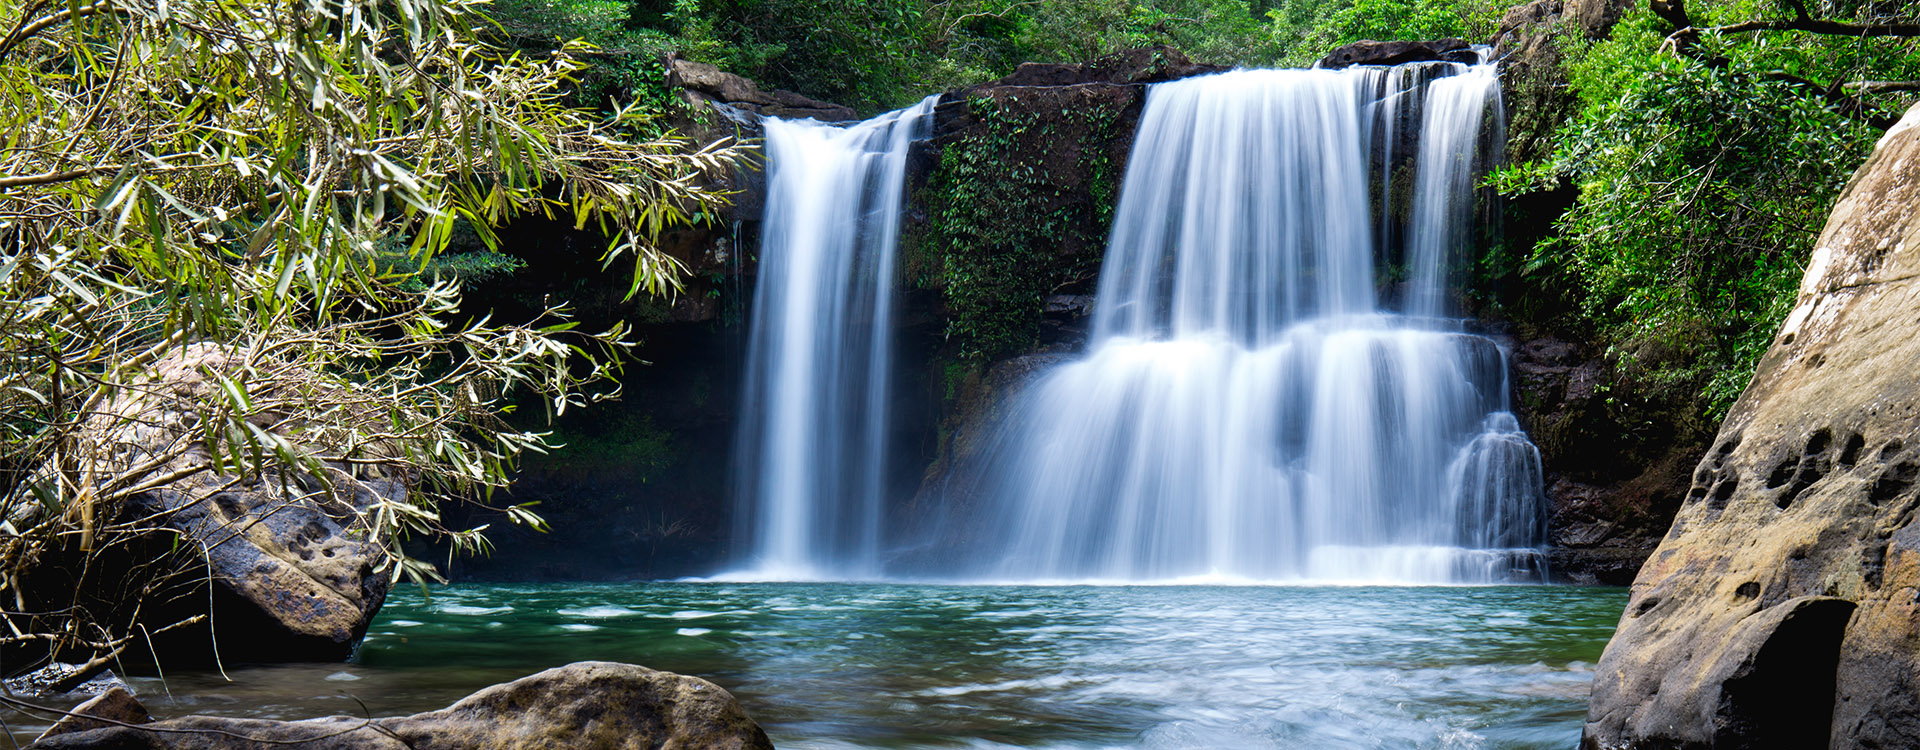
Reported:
(28, 31)
(1686, 39)
(1816, 26)
(49, 178)
(1881, 87)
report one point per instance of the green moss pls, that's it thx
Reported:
(954, 377)
(1016, 210)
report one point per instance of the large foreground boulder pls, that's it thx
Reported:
(280, 567)
(1781, 609)
(583, 705)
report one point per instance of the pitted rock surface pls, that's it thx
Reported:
(1783, 608)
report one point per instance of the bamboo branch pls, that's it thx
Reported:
(33, 29)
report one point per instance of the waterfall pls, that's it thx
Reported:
(1275, 388)
(812, 445)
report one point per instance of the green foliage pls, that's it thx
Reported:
(1703, 182)
(221, 235)
(623, 440)
(877, 55)
(1308, 29)
(1003, 220)
(625, 62)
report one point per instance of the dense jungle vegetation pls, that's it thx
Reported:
(1705, 157)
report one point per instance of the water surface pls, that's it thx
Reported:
(895, 666)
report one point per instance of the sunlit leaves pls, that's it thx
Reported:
(278, 178)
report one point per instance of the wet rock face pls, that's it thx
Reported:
(1611, 495)
(956, 484)
(1400, 53)
(1528, 45)
(588, 704)
(1781, 607)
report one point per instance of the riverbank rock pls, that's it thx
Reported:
(584, 705)
(1781, 609)
(1400, 53)
(64, 679)
(280, 568)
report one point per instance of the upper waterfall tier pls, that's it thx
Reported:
(1256, 199)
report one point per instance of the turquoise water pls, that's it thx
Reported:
(830, 666)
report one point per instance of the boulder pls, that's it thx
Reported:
(703, 83)
(281, 568)
(583, 705)
(115, 707)
(1780, 610)
(1400, 53)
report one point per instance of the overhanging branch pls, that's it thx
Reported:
(1685, 41)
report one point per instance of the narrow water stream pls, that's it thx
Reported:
(898, 666)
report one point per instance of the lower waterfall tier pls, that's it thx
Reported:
(1368, 448)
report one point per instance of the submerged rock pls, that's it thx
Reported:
(582, 705)
(1780, 610)
(115, 707)
(64, 679)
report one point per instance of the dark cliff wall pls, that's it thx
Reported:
(1617, 462)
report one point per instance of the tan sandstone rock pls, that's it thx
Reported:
(1780, 610)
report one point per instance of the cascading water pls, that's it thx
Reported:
(1252, 405)
(812, 445)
